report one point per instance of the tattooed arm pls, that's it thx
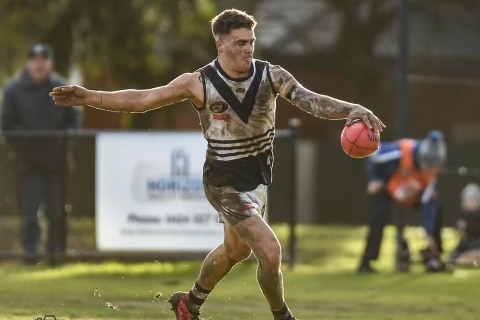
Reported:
(319, 105)
(186, 86)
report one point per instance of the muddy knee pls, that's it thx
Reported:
(237, 254)
(270, 258)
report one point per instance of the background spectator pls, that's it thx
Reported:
(27, 111)
(468, 223)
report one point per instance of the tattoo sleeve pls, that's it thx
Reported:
(321, 106)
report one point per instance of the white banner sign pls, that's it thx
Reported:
(149, 193)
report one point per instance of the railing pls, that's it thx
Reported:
(74, 154)
(336, 182)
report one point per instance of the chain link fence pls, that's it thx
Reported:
(78, 168)
(329, 185)
(78, 171)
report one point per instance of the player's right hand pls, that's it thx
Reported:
(69, 96)
(367, 116)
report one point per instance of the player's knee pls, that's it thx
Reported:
(271, 258)
(238, 253)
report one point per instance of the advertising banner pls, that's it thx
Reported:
(149, 193)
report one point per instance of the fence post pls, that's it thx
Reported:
(401, 108)
(294, 125)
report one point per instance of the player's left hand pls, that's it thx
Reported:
(69, 95)
(367, 116)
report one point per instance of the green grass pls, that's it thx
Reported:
(322, 286)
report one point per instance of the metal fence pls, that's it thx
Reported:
(73, 154)
(76, 161)
(336, 184)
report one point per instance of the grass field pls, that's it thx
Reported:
(321, 286)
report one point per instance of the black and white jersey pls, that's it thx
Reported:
(238, 121)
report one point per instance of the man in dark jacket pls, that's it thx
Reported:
(40, 156)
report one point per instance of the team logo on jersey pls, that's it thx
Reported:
(218, 107)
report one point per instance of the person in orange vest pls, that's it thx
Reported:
(405, 172)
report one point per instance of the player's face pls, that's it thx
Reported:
(238, 48)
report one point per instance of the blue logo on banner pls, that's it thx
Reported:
(180, 182)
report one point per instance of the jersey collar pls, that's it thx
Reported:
(224, 74)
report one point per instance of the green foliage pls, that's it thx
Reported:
(145, 43)
(22, 23)
(114, 43)
(129, 41)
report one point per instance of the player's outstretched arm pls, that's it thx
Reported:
(129, 100)
(320, 105)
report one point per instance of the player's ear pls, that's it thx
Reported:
(219, 44)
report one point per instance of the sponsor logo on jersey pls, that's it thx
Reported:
(218, 107)
(222, 116)
(240, 90)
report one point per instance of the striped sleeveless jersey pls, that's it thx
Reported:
(238, 122)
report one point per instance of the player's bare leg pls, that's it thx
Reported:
(251, 233)
(221, 260)
(264, 243)
(215, 267)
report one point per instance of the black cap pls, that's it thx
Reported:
(40, 50)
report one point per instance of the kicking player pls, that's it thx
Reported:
(234, 96)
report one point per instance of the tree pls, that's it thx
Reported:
(357, 26)
(22, 22)
(114, 43)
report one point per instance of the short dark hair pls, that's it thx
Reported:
(231, 19)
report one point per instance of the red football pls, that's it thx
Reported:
(358, 141)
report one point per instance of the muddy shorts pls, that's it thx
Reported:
(234, 206)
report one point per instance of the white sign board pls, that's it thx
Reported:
(149, 193)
